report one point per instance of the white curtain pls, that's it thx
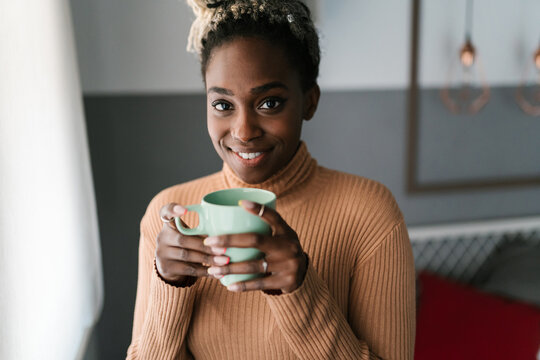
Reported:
(51, 286)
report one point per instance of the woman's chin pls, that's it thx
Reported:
(251, 175)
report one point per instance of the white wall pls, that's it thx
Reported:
(365, 44)
(135, 46)
(139, 46)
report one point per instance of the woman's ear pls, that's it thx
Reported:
(311, 100)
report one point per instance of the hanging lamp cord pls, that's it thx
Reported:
(468, 20)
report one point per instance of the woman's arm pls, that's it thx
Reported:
(383, 298)
(381, 319)
(162, 311)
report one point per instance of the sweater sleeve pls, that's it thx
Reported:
(162, 312)
(381, 315)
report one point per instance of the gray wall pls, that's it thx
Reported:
(499, 142)
(141, 144)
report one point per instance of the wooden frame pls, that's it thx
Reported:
(413, 185)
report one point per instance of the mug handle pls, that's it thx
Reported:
(199, 230)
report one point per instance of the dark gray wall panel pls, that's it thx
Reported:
(139, 145)
(501, 141)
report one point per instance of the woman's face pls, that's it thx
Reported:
(255, 107)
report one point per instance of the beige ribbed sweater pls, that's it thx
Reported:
(357, 300)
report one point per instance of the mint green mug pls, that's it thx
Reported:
(220, 214)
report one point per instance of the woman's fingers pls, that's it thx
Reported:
(169, 212)
(174, 263)
(179, 257)
(256, 267)
(175, 270)
(247, 240)
(172, 210)
(285, 275)
(246, 267)
(191, 243)
(269, 215)
(181, 254)
(275, 247)
(272, 282)
(178, 247)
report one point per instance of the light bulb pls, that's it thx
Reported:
(466, 89)
(528, 92)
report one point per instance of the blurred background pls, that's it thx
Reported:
(145, 112)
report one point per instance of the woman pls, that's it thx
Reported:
(339, 269)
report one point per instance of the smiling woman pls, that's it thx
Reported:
(255, 107)
(337, 274)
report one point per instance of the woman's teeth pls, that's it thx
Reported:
(249, 156)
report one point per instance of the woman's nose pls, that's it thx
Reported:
(245, 127)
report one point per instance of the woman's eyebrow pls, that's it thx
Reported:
(220, 90)
(271, 85)
(255, 91)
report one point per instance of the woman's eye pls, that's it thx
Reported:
(221, 106)
(270, 104)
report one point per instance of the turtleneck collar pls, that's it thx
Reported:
(297, 173)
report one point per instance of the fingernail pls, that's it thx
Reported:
(218, 250)
(247, 204)
(211, 241)
(233, 287)
(213, 270)
(221, 260)
(179, 209)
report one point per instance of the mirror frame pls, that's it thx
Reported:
(413, 184)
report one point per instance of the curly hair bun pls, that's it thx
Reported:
(286, 21)
(210, 13)
(201, 24)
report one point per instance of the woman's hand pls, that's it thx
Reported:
(285, 259)
(180, 259)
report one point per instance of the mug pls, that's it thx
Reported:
(220, 214)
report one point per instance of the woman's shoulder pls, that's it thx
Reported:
(366, 205)
(366, 197)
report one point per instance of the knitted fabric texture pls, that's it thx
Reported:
(357, 300)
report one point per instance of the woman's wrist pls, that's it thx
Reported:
(301, 276)
(182, 282)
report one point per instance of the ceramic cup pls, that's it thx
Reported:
(220, 214)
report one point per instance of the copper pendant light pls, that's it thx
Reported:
(470, 92)
(528, 93)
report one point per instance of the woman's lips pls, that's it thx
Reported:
(250, 158)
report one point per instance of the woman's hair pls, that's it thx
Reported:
(286, 23)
